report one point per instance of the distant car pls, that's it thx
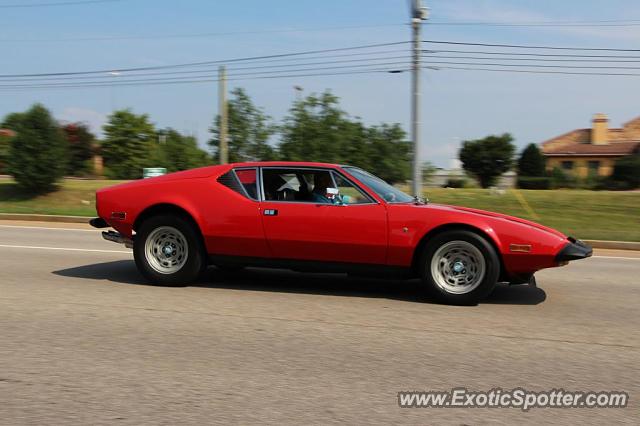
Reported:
(321, 217)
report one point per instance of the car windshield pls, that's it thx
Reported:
(387, 192)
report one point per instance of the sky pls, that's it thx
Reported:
(457, 105)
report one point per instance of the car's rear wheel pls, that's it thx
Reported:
(459, 267)
(168, 251)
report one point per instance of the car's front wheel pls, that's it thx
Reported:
(168, 251)
(459, 267)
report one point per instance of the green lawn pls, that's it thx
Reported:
(600, 215)
(75, 198)
(596, 215)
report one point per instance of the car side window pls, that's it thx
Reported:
(248, 180)
(297, 185)
(242, 181)
(349, 193)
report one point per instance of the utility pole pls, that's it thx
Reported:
(223, 111)
(419, 13)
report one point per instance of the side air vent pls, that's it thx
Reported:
(230, 181)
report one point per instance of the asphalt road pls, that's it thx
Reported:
(84, 341)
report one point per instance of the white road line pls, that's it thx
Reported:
(63, 249)
(49, 229)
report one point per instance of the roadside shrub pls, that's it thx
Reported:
(560, 179)
(5, 142)
(606, 183)
(454, 183)
(534, 182)
(627, 171)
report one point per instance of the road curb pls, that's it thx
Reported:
(614, 245)
(44, 218)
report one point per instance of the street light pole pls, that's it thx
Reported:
(418, 14)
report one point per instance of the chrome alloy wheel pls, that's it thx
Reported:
(166, 250)
(458, 267)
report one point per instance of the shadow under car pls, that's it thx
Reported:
(286, 281)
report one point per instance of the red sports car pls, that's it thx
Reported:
(321, 217)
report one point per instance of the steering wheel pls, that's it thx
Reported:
(390, 197)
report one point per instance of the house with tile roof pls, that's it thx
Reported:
(592, 151)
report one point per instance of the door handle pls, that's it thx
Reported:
(271, 212)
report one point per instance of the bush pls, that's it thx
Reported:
(454, 183)
(5, 142)
(560, 179)
(605, 183)
(534, 182)
(627, 171)
(38, 154)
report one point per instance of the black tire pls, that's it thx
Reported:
(195, 262)
(474, 295)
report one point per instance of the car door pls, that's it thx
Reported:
(233, 226)
(299, 224)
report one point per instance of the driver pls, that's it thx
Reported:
(322, 181)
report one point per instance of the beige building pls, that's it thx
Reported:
(592, 151)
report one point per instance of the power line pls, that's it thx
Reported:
(195, 35)
(287, 56)
(60, 3)
(192, 64)
(286, 61)
(293, 74)
(598, 23)
(118, 82)
(502, 58)
(369, 61)
(534, 71)
(536, 65)
(520, 46)
(569, 55)
(210, 80)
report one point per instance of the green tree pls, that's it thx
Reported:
(10, 123)
(316, 129)
(37, 154)
(80, 141)
(177, 152)
(249, 130)
(390, 153)
(531, 162)
(129, 144)
(488, 158)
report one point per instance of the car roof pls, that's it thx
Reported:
(283, 164)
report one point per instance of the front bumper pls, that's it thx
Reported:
(574, 250)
